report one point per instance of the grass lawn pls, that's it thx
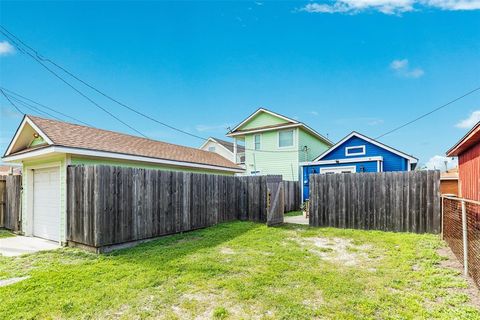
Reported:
(5, 233)
(243, 270)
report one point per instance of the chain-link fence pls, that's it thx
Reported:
(461, 230)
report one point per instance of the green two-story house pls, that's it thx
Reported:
(275, 144)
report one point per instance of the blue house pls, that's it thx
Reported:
(356, 153)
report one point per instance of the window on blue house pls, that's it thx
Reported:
(355, 151)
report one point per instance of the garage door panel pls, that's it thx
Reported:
(46, 203)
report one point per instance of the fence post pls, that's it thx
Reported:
(441, 216)
(465, 239)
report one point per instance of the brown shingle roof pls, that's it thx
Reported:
(77, 136)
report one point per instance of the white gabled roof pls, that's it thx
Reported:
(372, 141)
(266, 111)
(291, 124)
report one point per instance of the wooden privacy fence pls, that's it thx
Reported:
(389, 201)
(292, 195)
(10, 202)
(111, 205)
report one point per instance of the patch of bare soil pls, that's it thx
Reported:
(202, 306)
(338, 250)
(452, 262)
(7, 282)
(227, 250)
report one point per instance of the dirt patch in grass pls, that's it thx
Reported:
(227, 250)
(337, 250)
(450, 261)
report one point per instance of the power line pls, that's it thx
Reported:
(11, 102)
(70, 85)
(39, 58)
(429, 113)
(12, 93)
(34, 109)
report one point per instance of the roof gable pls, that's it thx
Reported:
(263, 118)
(471, 138)
(356, 139)
(28, 135)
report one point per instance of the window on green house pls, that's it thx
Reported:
(256, 139)
(285, 138)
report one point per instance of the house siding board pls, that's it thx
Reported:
(219, 149)
(469, 173)
(75, 160)
(314, 146)
(284, 162)
(262, 119)
(391, 161)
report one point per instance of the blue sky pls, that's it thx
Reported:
(203, 66)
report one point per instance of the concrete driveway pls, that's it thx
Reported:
(296, 220)
(15, 246)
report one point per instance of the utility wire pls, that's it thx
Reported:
(428, 113)
(17, 95)
(40, 59)
(11, 102)
(34, 108)
(71, 86)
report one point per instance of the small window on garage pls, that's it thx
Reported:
(211, 149)
(285, 138)
(355, 151)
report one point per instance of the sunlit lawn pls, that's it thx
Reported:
(243, 270)
(5, 233)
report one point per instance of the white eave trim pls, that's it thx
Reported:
(286, 126)
(113, 155)
(19, 132)
(349, 160)
(217, 144)
(361, 136)
(257, 112)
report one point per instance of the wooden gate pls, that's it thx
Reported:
(275, 200)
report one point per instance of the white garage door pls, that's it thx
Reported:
(46, 203)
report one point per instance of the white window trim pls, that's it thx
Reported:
(255, 149)
(353, 169)
(350, 154)
(293, 139)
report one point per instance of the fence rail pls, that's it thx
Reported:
(10, 202)
(112, 205)
(461, 230)
(389, 201)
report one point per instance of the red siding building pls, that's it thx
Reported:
(468, 152)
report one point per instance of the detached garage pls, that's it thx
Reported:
(47, 147)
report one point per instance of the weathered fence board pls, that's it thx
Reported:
(389, 201)
(292, 196)
(10, 202)
(111, 205)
